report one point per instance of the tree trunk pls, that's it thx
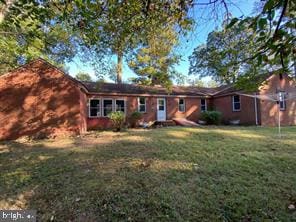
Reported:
(119, 67)
(153, 80)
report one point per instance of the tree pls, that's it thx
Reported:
(26, 34)
(276, 34)
(179, 78)
(197, 82)
(225, 58)
(246, 50)
(118, 27)
(154, 60)
(112, 72)
(82, 76)
(219, 57)
(98, 28)
(274, 48)
(212, 84)
(202, 83)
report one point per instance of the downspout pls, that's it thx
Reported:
(256, 109)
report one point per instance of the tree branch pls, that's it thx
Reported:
(207, 3)
(281, 17)
(10, 33)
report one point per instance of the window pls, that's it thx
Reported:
(161, 104)
(236, 104)
(94, 107)
(282, 101)
(142, 104)
(120, 105)
(107, 106)
(203, 105)
(182, 105)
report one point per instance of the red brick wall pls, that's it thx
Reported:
(246, 115)
(104, 122)
(151, 108)
(83, 111)
(192, 109)
(38, 99)
(269, 109)
(131, 106)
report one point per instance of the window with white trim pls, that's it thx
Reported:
(236, 103)
(161, 104)
(107, 106)
(203, 105)
(181, 105)
(94, 108)
(282, 101)
(120, 105)
(142, 104)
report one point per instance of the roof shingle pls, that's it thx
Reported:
(101, 87)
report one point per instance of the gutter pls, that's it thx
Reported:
(256, 109)
(144, 94)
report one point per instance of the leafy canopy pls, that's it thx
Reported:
(248, 49)
(155, 59)
(28, 29)
(222, 55)
(82, 76)
(95, 29)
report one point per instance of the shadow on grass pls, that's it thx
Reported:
(172, 174)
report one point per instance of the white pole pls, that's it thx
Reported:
(279, 120)
(256, 112)
(280, 99)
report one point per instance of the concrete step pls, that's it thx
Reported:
(184, 122)
(165, 123)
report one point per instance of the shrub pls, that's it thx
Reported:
(211, 117)
(134, 118)
(117, 119)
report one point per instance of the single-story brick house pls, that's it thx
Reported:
(38, 98)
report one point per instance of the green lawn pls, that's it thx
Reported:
(167, 174)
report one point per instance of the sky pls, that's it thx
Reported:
(197, 36)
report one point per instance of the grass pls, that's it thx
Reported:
(167, 174)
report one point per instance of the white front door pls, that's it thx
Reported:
(161, 109)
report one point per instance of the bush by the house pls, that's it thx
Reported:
(134, 118)
(117, 119)
(211, 117)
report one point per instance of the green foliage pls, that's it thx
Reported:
(29, 30)
(274, 28)
(154, 60)
(248, 49)
(201, 83)
(134, 118)
(197, 82)
(117, 119)
(212, 84)
(117, 28)
(140, 80)
(220, 57)
(112, 72)
(97, 29)
(82, 76)
(211, 117)
(179, 78)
